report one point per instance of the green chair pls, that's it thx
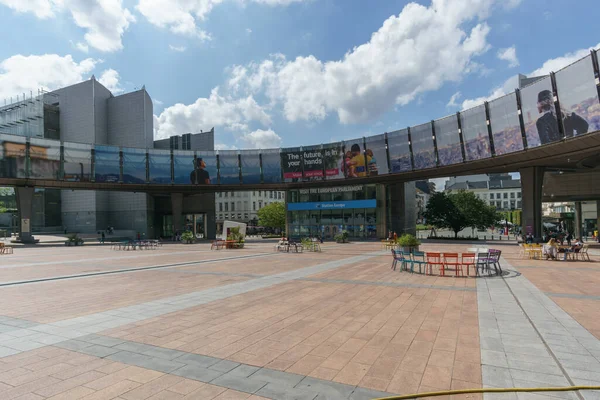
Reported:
(407, 260)
(418, 257)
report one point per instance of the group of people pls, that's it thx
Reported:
(552, 248)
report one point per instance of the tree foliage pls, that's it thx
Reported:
(272, 216)
(458, 211)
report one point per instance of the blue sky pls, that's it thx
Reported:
(267, 73)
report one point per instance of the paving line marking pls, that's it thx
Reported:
(130, 270)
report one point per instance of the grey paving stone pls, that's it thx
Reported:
(73, 344)
(102, 340)
(559, 395)
(548, 367)
(243, 371)
(367, 394)
(98, 351)
(159, 364)
(133, 347)
(491, 344)
(247, 385)
(7, 351)
(128, 357)
(325, 388)
(224, 366)
(496, 376)
(281, 392)
(197, 359)
(552, 380)
(160, 352)
(279, 377)
(494, 358)
(197, 373)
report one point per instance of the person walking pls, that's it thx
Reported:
(102, 237)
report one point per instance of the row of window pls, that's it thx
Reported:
(513, 205)
(271, 194)
(225, 206)
(233, 216)
(499, 196)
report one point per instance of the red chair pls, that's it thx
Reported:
(468, 260)
(434, 259)
(451, 260)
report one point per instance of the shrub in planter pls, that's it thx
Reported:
(341, 237)
(188, 237)
(73, 240)
(408, 243)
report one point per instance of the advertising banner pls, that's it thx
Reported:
(333, 159)
(475, 133)
(504, 120)
(183, 166)
(271, 166)
(160, 167)
(250, 166)
(578, 98)
(78, 162)
(134, 165)
(448, 140)
(312, 157)
(422, 146)
(291, 164)
(229, 167)
(399, 149)
(355, 163)
(375, 148)
(107, 168)
(539, 113)
(45, 159)
(205, 172)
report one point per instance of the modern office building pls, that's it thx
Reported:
(89, 116)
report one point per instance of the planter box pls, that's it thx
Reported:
(409, 249)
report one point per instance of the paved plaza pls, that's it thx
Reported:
(185, 322)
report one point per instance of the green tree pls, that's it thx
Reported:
(458, 211)
(272, 216)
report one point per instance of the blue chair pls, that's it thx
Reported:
(418, 257)
(397, 254)
(407, 260)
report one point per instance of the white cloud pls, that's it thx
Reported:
(553, 64)
(216, 110)
(453, 100)
(248, 31)
(394, 67)
(179, 49)
(509, 54)
(22, 74)
(105, 21)
(82, 47)
(223, 146)
(110, 79)
(260, 139)
(41, 8)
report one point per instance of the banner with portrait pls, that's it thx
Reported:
(506, 128)
(448, 141)
(539, 113)
(475, 133)
(355, 164)
(183, 166)
(375, 149)
(578, 97)
(205, 172)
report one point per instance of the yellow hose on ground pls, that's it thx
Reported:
(489, 390)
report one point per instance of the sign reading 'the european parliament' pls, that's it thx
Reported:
(331, 205)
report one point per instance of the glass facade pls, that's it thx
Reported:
(325, 212)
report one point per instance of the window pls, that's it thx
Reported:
(232, 206)
(259, 193)
(220, 194)
(512, 204)
(485, 195)
(226, 207)
(506, 204)
(226, 215)
(279, 195)
(245, 215)
(519, 203)
(245, 205)
(505, 195)
(491, 203)
(174, 142)
(491, 196)
(271, 194)
(259, 204)
(253, 206)
(186, 141)
(239, 216)
(239, 206)
(512, 195)
(518, 195)
(221, 207)
(254, 193)
(226, 194)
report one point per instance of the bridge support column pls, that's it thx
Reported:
(25, 211)
(402, 213)
(598, 218)
(177, 211)
(532, 180)
(578, 221)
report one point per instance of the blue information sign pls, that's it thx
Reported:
(330, 205)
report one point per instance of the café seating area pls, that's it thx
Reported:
(475, 262)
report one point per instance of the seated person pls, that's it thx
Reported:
(550, 249)
(578, 245)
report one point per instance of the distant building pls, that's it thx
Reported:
(243, 206)
(204, 141)
(498, 190)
